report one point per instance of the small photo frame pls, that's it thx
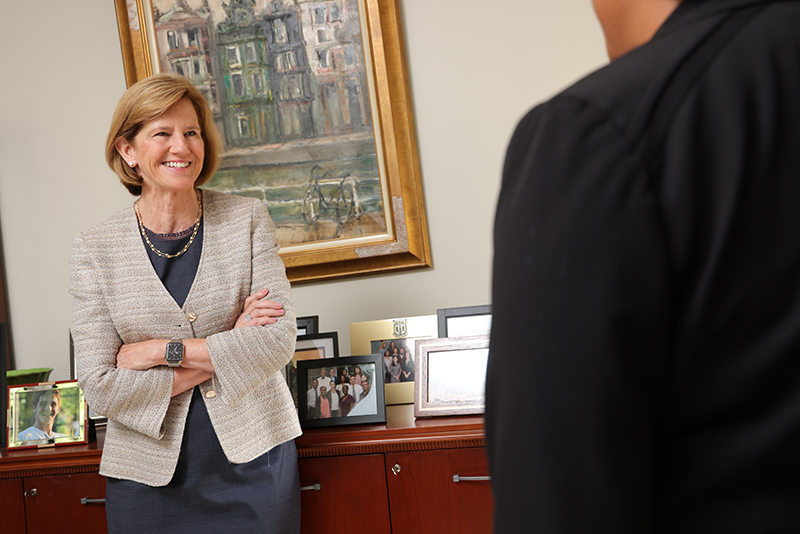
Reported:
(451, 376)
(334, 402)
(46, 414)
(307, 325)
(376, 337)
(310, 347)
(465, 321)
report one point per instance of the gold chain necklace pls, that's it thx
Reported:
(191, 239)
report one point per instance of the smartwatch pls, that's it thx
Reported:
(174, 355)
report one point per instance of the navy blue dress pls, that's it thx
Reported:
(207, 493)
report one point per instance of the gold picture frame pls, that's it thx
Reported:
(367, 338)
(404, 242)
(47, 414)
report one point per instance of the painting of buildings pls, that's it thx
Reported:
(287, 83)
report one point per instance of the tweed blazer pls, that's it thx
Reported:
(119, 299)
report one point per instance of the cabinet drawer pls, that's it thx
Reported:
(13, 516)
(345, 494)
(58, 498)
(425, 498)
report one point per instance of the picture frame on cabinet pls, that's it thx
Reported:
(451, 376)
(360, 401)
(47, 414)
(375, 337)
(317, 346)
(307, 325)
(464, 321)
(314, 108)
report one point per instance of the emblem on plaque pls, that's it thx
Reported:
(400, 328)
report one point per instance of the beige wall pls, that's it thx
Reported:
(474, 69)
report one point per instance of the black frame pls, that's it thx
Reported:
(291, 380)
(303, 367)
(310, 323)
(467, 311)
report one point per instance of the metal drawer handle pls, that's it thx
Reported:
(315, 487)
(458, 478)
(87, 500)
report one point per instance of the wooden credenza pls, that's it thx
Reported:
(52, 489)
(406, 476)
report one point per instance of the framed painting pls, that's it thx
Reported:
(451, 376)
(311, 98)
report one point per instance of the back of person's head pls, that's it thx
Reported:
(147, 100)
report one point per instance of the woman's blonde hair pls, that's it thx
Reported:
(143, 102)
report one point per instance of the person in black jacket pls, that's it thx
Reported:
(647, 254)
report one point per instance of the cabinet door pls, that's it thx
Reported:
(54, 503)
(344, 495)
(13, 516)
(424, 497)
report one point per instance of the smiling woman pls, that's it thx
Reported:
(170, 359)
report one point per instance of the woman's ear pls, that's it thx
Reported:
(126, 150)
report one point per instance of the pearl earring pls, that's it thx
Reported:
(132, 164)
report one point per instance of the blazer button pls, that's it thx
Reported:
(192, 317)
(210, 394)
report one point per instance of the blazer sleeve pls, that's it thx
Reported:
(136, 399)
(581, 310)
(246, 358)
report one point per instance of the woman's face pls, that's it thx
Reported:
(358, 370)
(168, 150)
(394, 359)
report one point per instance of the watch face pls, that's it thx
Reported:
(174, 352)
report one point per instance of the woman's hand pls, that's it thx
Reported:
(142, 355)
(258, 312)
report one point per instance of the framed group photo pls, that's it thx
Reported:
(345, 391)
(393, 340)
(47, 414)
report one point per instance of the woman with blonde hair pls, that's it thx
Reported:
(176, 342)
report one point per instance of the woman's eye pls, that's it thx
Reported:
(192, 133)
